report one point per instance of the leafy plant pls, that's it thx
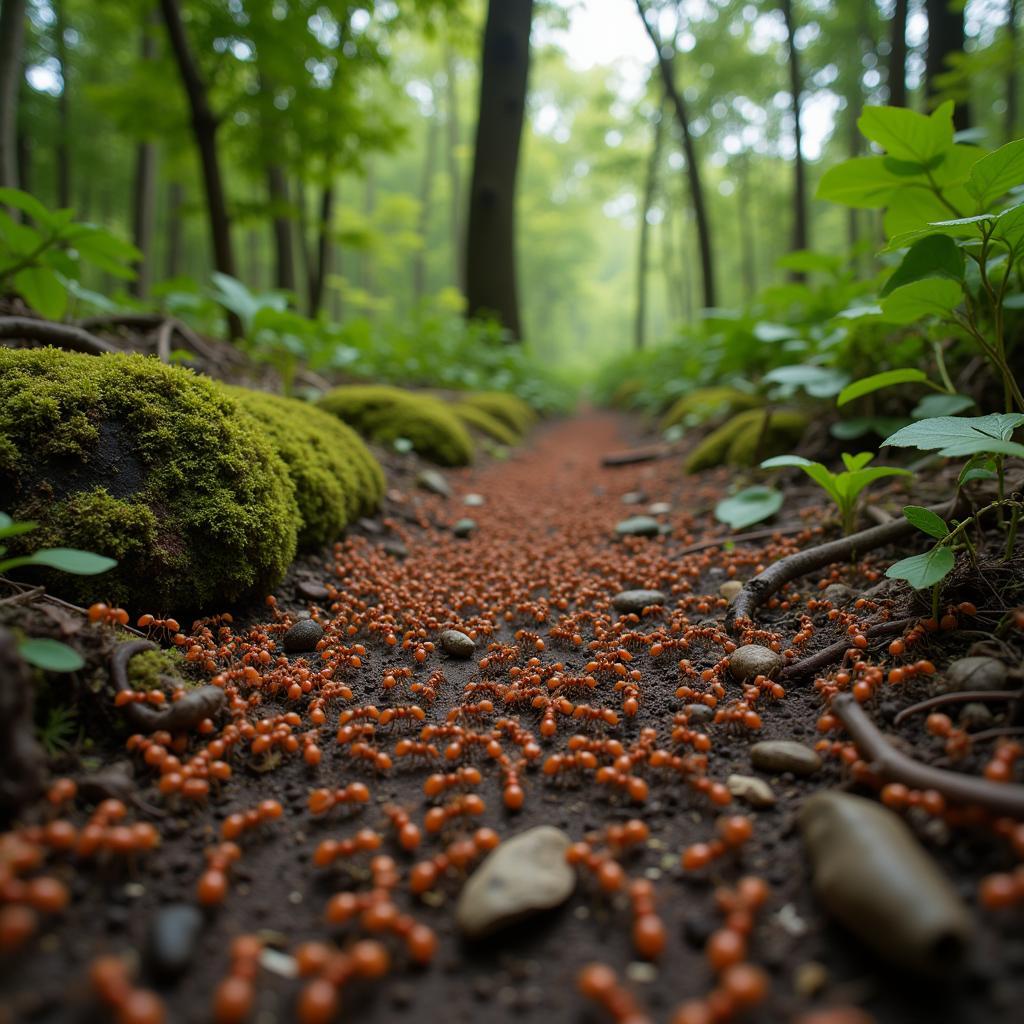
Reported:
(749, 506)
(56, 732)
(43, 260)
(843, 488)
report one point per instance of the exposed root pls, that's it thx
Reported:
(26, 328)
(957, 698)
(742, 538)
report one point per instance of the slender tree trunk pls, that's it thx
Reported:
(305, 258)
(144, 193)
(650, 185)
(366, 268)
(63, 109)
(322, 264)
(898, 56)
(175, 227)
(491, 288)
(454, 174)
(1013, 75)
(945, 37)
(284, 249)
(24, 152)
(746, 232)
(673, 296)
(800, 228)
(419, 266)
(689, 151)
(12, 38)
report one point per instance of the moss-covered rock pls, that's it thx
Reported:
(488, 425)
(336, 478)
(383, 413)
(747, 437)
(149, 464)
(512, 411)
(145, 669)
(707, 403)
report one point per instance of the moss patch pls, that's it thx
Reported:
(512, 411)
(488, 425)
(705, 404)
(149, 464)
(746, 437)
(145, 669)
(336, 478)
(384, 413)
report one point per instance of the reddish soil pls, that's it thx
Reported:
(544, 559)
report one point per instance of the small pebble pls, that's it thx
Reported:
(976, 716)
(751, 790)
(839, 594)
(171, 939)
(313, 591)
(778, 756)
(699, 713)
(463, 527)
(638, 526)
(303, 636)
(730, 589)
(434, 481)
(633, 497)
(457, 644)
(473, 500)
(753, 660)
(636, 601)
(659, 508)
(396, 549)
(978, 673)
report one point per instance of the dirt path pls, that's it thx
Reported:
(544, 558)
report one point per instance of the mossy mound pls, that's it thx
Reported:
(626, 393)
(748, 437)
(149, 464)
(336, 478)
(146, 668)
(383, 414)
(707, 403)
(512, 411)
(488, 425)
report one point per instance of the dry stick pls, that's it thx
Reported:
(23, 596)
(742, 538)
(1002, 730)
(42, 596)
(25, 328)
(150, 321)
(635, 455)
(998, 797)
(825, 657)
(956, 698)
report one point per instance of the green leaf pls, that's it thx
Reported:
(50, 655)
(863, 182)
(994, 175)
(962, 435)
(907, 135)
(778, 461)
(877, 381)
(81, 563)
(817, 381)
(926, 520)
(10, 528)
(941, 405)
(933, 256)
(42, 289)
(855, 462)
(923, 571)
(930, 297)
(750, 506)
(106, 251)
(858, 426)
(19, 200)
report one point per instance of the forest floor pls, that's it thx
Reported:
(543, 558)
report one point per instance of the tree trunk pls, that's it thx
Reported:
(800, 231)
(746, 232)
(284, 249)
(204, 126)
(490, 239)
(24, 153)
(945, 37)
(175, 227)
(1013, 75)
(63, 109)
(419, 266)
(12, 37)
(898, 56)
(454, 175)
(650, 185)
(692, 166)
(144, 194)
(322, 265)
(673, 293)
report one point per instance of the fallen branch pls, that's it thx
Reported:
(956, 698)
(635, 455)
(742, 538)
(998, 797)
(26, 328)
(816, 662)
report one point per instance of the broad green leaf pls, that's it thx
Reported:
(81, 563)
(19, 200)
(962, 435)
(778, 461)
(933, 256)
(926, 520)
(933, 296)
(941, 405)
(817, 381)
(918, 207)
(851, 429)
(50, 655)
(765, 331)
(1010, 228)
(750, 506)
(877, 381)
(994, 175)
(855, 462)
(9, 528)
(106, 251)
(855, 482)
(42, 289)
(17, 241)
(863, 182)
(907, 135)
(923, 571)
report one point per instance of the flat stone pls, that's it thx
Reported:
(976, 716)
(638, 526)
(171, 939)
(633, 497)
(473, 500)
(432, 480)
(730, 589)
(395, 548)
(637, 600)
(977, 673)
(753, 660)
(698, 713)
(303, 636)
(463, 527)
(524, 875)
(457, 644)
(839, 594)
(312, 591)
(752, 790)
(778, 756)
(659, 508)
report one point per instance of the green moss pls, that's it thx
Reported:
(512, 411)
(490, 426)
(746, 437)
(383, 413)
(625, 394)
(705, 404)
(149, 464)
(336, 478)
(145, 669)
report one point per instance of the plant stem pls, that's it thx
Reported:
(1011, 536)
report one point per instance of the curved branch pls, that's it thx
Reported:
(962, 697)
(825, 657)
(26, 328)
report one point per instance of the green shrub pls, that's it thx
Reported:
(705, 404)
(512, 411)
(148, 464)
(485, 423)
(336, 478)
(383, 414)
(747, 437)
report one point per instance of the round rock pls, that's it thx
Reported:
(637, 600)
(457, 644)
(778, 756)
(463, 527)
(753, 660)
(524, 875)
(473, 500)
(303, 636)
(697, 713)
(752, 790)
(433, 481)
(838, 594)
(638, 526)
(730, 589)
(977, 673)
(171, 940)
(312, 591)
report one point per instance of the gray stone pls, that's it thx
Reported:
(434, 481)
(303, 636)
(638, 526)
(524, 875)
(312, 591)
(395, 548)
(697, 713)
(633, 497)
(839, 594)
(976, 716)
(978, 673)
(637, 600)
(473, 500)
(171, 939)
(463, 527)
(659, 508)
(457, 644)
(752, 660)
(752, 790)
(730, 589)
(778, 756)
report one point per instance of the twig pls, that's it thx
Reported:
(22, 589)
(635, 455)
(825, 657)
(956, 698)
(26, 328)
(1002, 730)
(163, 341)
(742, 538)
(23, 596)
(998, 797)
